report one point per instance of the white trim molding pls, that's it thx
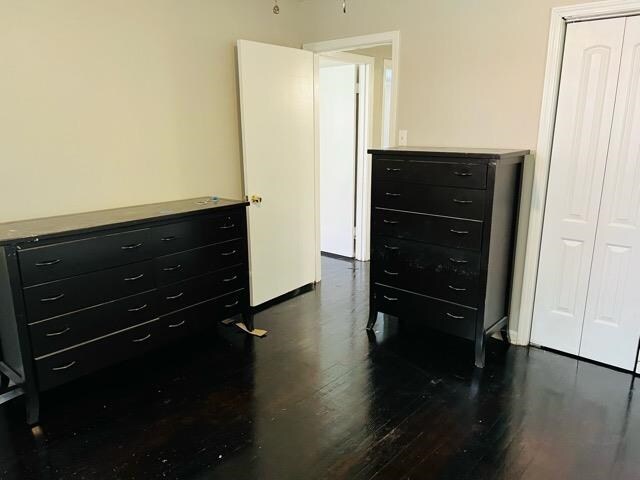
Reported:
(560, 16)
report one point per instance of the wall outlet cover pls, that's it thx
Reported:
(402, 138)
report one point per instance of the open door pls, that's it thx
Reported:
(278, 142)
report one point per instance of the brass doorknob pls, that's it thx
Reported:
(256, 199)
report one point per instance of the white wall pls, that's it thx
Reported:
(119, 102)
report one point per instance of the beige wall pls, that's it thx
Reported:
(379, 54)
(471, 73)
(120, 102)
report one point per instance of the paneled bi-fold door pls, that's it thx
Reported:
(587, 300)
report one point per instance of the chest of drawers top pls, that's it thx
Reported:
(475, 154)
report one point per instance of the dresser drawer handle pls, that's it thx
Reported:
(457, 317)
(459, 232)
(227, 227)
(175, 297)
(227, 254)
(177, 325)
(172, 269)
(57, 334)
(233, 304)
(143, 339)
(132, 247)
(458, 260)
(138, 309)
(64, 367)
(456, 289)
(391, 299)
(52, 299)
(168, 239)
(133, 279)
(462, 202)
(389, 194)
(393, 249)
(463, 174)
(391, 273)
(48, 263)
(231, 279)
(394, 169)
(391, 222)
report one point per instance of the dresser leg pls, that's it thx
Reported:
(247, 318)
(481, 341)
(373, 316)
(504, 333)
(32, 401)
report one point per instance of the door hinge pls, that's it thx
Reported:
(355, 235)
(358, 87)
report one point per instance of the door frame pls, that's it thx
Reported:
(560, 17)
(363, 241)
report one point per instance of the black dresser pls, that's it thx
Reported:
(81, 292)
(443, 227)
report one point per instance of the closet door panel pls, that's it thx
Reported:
(583, 123)
(612, 317)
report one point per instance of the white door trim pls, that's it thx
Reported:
(342, 45)
(560, 16)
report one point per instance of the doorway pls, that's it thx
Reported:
(343, 93)
(355, 113)
(281, 159)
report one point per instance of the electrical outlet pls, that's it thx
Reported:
(402, 138)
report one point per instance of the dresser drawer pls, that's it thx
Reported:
(205, 314)
(199, 289)
(445, 231)
(183, 265)
(65, 296)
(68, 330)
(448, 174)
(61, 260)
(439, 272)
(198, 232)
(438, 314)
(62, 367)
(451, 202)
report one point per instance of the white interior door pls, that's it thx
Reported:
(583, 122)
(338, 132)
(612, 317)
(277, 112)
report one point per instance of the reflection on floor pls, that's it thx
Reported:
(318, 398)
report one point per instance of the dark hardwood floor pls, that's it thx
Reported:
(318, 398)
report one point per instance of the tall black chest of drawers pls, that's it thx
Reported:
(82, 292)
(443, 228)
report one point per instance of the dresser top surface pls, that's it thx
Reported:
(39, 228)
(485, 153)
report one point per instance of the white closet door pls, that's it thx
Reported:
(612, 318)
(583, 123)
